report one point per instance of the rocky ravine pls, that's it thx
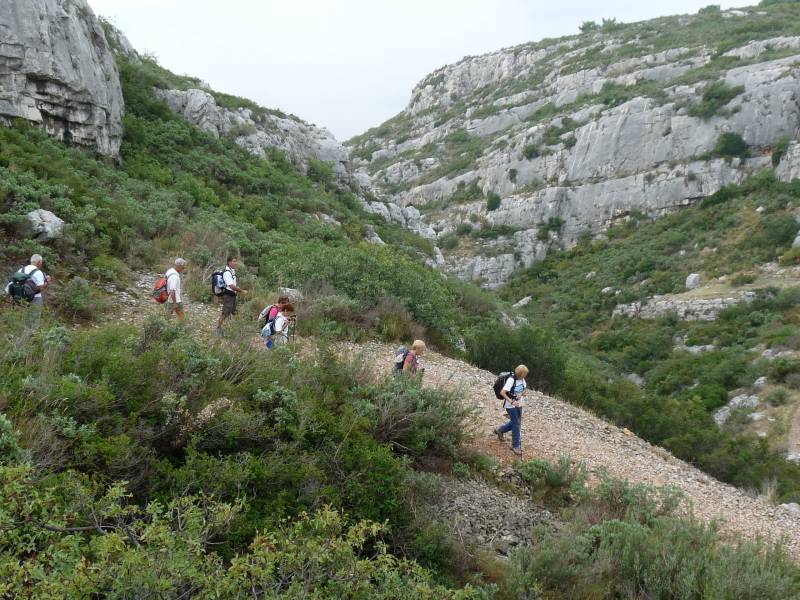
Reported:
(581, 132)
(57, 70)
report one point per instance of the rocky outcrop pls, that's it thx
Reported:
(539, 125)
(41, 225)
(258, 132)
(688, 309)
(56, 70)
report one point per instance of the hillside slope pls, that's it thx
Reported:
(553, 428)
(532, 147)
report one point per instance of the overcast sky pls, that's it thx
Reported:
(347, 64)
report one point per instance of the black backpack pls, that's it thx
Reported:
(400, 358)
(501, 381)
(21, 286)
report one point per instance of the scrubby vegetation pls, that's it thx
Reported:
(724, 237)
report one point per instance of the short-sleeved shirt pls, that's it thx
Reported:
(229, 277)
(281, 327)
(514, 387)
(38, 276)
(174, 284)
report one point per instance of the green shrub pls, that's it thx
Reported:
(780, 148)
(467, 193)
(413, 419)
(555, 484)
(777, 397)
(743, 279)
(730, 145)
(531, 151)
(449, 241)
(492, 201)
(497, 348)
(630, 538)
(716, 95)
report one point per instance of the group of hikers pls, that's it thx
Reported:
(276, 318)
(28, 283)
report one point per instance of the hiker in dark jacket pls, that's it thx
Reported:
(513, 393)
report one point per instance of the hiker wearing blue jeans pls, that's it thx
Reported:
(513, 393)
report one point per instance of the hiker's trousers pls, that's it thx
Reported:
(514, 425)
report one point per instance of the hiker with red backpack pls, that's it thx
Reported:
(174, 299)
(511, 388)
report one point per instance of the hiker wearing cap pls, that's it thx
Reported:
(174, 302)
(411, 361)
(229, 292)
(513, 394)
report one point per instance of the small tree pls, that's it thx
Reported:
(493, 201)
(589, 26)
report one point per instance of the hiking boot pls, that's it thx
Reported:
(499, 434)
(517, 451)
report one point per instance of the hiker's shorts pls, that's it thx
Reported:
(228, 305)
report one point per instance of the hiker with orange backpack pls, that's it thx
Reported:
(174, 299)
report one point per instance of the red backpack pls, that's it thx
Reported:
(160, 293)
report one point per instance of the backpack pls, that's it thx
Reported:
(21, 286)
(218, 286)
(264, 315)
(500, 382)
(400, 358)
(160, 293)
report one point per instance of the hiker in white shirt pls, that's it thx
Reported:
(42, 281)
(513, 393)
(230, 292)
(174, 297)
(276, 332)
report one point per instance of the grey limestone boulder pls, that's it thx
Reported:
(41, 225)
(57, 70)
(693, 281)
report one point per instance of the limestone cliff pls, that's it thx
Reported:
(56, 70)
(562, 138)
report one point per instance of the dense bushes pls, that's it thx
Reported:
(628, 542)
(69, 537)
(287, 434)
(497, 347)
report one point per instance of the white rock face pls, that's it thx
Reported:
(57, 70)
(646, 155)
(789, 167)
(41, 225)
(693, 281)
(258, 133)
(695, 309)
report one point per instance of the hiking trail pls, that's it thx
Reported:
(551, 428)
